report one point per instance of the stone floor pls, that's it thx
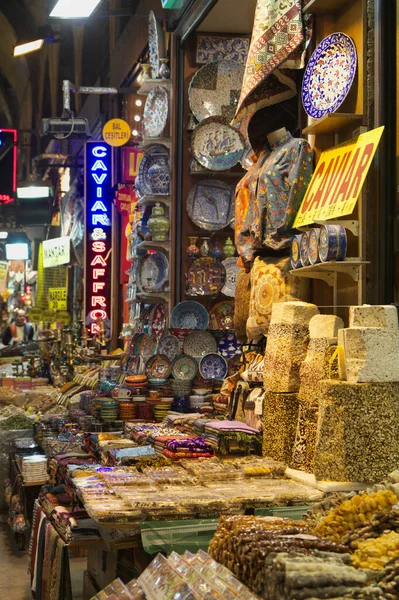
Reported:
(14, 579)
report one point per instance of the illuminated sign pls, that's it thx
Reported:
(56, 252)
(98, 202)
(57, 298)
(8, 165)
(338, 179)
(116, 132)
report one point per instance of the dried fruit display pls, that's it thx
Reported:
(376, 553)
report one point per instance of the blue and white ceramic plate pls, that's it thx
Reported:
(215, 90)
(228, 345)
(170, 346)
(216, 47)
(213, 366)
(210, 204)
(189, 315)
(156, 156)
(153, 272)
(156, 110)
(184, 367)
(216, 145)
(329, 75)
(156, 44)
(229, 288)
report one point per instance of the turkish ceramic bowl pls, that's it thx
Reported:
(295, 252)
(332, 243)
(314, 236)
(304, 249)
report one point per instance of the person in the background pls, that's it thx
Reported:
(18, 331)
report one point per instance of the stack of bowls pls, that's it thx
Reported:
(202, 387)
(181, 405)
(127, 410)
(109, 409)
(196, 403)
(144, 411)
(160, 411)
(181, 388)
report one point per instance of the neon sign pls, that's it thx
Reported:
(98, 201)
(8, 165)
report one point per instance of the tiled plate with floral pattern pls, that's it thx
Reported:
(199, 343)
(229, 288)
(153, 271)
(156, 44)
(184, 367)
(155, 112)
(216, 145)
(157, 320)
(213, 366)
(158, 367)
(156, 154)
(189, 315)
(329, 75)
(215, 89)
(170, 346)
(210, 204)
(215, 47)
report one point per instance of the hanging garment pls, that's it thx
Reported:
(278, 39)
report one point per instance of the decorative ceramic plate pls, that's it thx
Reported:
(199, 343)
(215, 90)
(148, 346)
(157, 320)
(170, 346)
(222, 315)
(156, 44)
(156, 155)
(158, 367)
(205, 277)
(189, 315)
(153, 272)
(210, 204)
(215, 47)
(329, 75)
(228, 345)
(216, 145)
(137, 344)
(229, 288)
(155, 112)
(184, 367)
(213, 366)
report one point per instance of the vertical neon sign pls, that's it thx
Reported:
(98, 207)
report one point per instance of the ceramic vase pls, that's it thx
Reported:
(159, 177)
(192, 250)
(164, 70)
(158, 224)
(146, 67)
(229, 249)
(216, 252)
(204, 248)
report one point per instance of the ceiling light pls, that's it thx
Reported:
(28, 47)
(33, 191)
(17, 246)
(138, 103)
(135, 132)
(137, 117)
(3, 235)
(74, 9)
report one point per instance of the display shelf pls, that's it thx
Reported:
(327, 271)
(149, 245)
(350, 225)
(148, 141)
(325, 7)
(153, 295)
(333, 123)
(148, 200)
(148, 84)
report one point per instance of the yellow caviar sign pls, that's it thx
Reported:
(116, 132)
(338, 179)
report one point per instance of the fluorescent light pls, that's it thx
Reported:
(17, 251)
(33, 191)
(29, 47)
(3, 235)
(74, 9)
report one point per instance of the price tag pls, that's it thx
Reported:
(36, 315)
(57, 298)
(259, 405)
(49, 315)
(64, 317)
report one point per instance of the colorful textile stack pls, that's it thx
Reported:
(188, 448)
(232, 437)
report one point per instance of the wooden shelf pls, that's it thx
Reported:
(144, 245)
(153, 296)
(325, 7)
(333, 123)
(149, 84)
(327, 271)
(147, 141)
(148, 200)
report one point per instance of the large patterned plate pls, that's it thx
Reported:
(157, 320)
(215, 47)
(210, 204)
(199, 343)
(213, 366)
(156, 44)
(155, 112)
(155, 155)
(153, 272)
(189, 315)
(158, 367)
(205, 277)
(215, 89)
(216, 145)
(329, 75)
(170, 346)
(222, 315)
(184, 367)
(229, 288)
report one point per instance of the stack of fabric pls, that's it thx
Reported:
(188, 448)
(160, 441)
(232, 437)
(34, 468)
